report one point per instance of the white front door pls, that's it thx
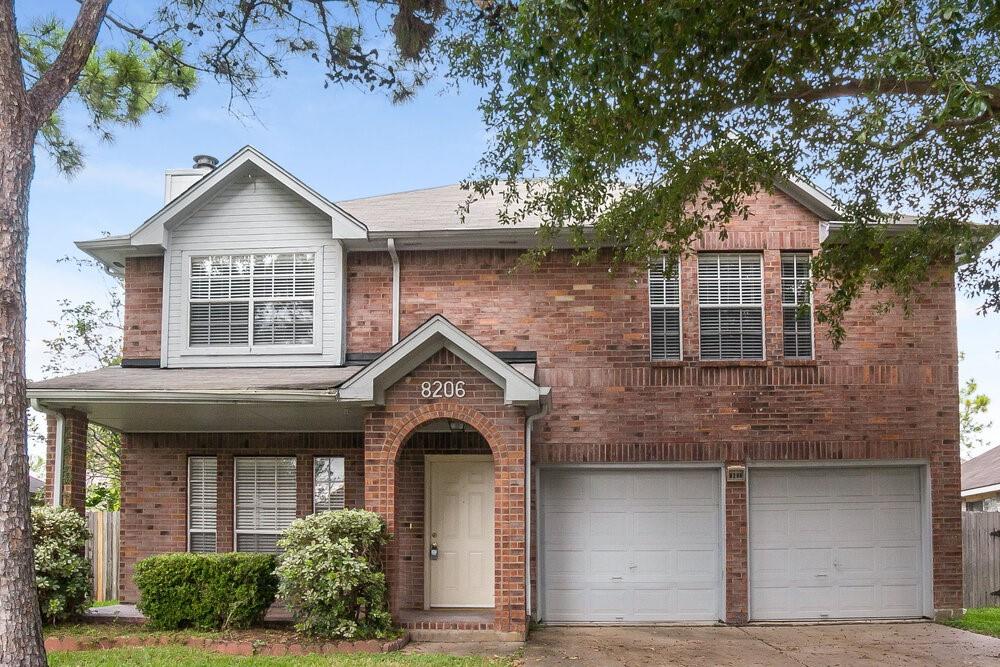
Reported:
(460, 517)
(624, 545)
(829, 543)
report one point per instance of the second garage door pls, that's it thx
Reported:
(831, 543)
(631, 545)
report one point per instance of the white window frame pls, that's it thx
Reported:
(315, 347)
(236, 531)
(720, 306)
(812, 322)
(679, 308)
(188, 507)
(315, 482)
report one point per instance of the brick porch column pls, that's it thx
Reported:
(737, 583)
(74, 464)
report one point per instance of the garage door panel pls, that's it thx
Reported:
(650, 543)
(867, 563)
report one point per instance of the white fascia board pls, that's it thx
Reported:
(168, 396)
(980, 490)
(112, 251)
(810, 196)
(437, 333)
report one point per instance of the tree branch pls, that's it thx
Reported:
(885, 86)
(46, 95)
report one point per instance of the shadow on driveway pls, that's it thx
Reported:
(817, 645)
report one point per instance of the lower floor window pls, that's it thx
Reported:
(202, 496)
(265, 501)
(328, 483)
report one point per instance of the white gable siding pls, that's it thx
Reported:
(255, 216)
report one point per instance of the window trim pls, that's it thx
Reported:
(344, 467)
(237, 532)
(763, 311)
(812, 314)
(679, 307)
(188, 504)
(316, 347)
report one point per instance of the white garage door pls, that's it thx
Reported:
(835, 543)
(631, 545)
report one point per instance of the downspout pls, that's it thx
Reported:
(57, 465)
(391, 244)
(528, 424)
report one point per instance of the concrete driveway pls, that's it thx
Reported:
(798, 646)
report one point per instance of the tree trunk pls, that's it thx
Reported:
(20, 620)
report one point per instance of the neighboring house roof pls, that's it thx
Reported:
(35, 484)
(982, 472)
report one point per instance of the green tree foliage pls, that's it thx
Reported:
(88, 336)
(658, 119)
(973, 407)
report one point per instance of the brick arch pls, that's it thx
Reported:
(404, 427)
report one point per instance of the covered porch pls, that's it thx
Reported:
(433, 435)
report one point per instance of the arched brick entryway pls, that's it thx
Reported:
(387, 432)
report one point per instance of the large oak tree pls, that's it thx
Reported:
(657, 119)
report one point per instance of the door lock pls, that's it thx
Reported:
(434, 551)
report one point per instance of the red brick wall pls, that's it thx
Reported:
(891, 391)
(143, 307)
(388, 477)
(74, 464)
(154, 484)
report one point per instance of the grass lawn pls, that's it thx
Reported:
(984, 620)
(179, 656)
(103, 603)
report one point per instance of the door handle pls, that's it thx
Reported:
(433, 551)
(616, 578)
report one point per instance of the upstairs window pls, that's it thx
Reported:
(731, 305)
(265, 501)
(796, 305)
(665, 311)
(328, 483)
(247, 300)
(202, 499)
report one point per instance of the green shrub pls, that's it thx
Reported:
(331, 574)
(62, 573)
(205, 591)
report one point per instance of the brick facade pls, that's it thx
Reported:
(154, 484)
(143, 308)
(387, 473)
(889, 393)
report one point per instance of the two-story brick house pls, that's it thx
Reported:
(629, 446)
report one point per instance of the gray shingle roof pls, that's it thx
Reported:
(429, 209)
(984, 470)
(116, 378)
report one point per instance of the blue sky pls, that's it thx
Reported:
(343, 142)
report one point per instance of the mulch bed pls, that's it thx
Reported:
(248, 642)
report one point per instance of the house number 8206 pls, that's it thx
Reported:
(445, 389)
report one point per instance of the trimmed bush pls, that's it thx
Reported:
(331, 575)
(206, 591)
(62, 573)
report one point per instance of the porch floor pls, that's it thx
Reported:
(445, 619)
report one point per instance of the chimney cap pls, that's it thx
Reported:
(205, 162)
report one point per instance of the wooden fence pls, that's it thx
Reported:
(102, 552)
(981, 558)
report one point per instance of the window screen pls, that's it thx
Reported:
(796, 305)
(730, 299)
(265, 501)
(328, 483)
(246, 300)
(665, 311)
(202, 499)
